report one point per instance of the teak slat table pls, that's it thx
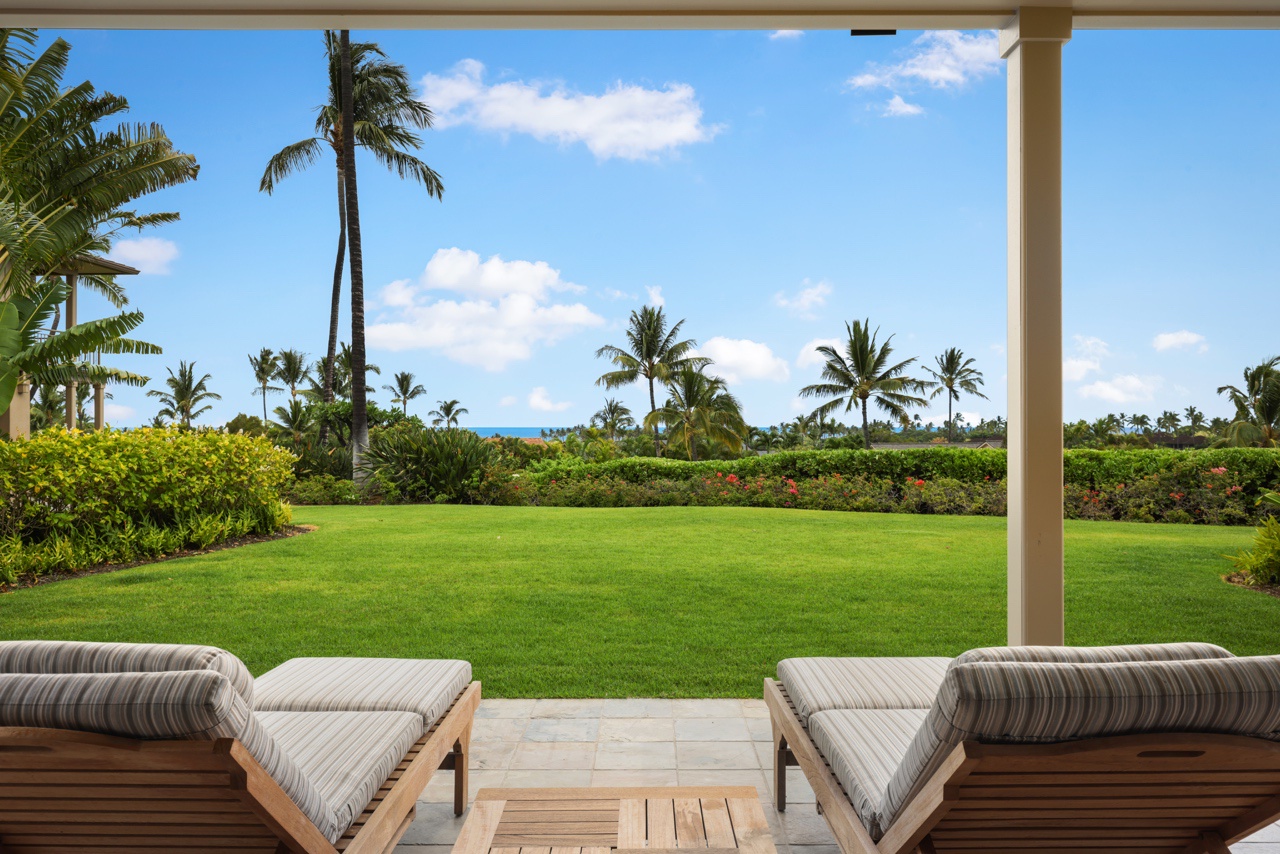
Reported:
(716, 819)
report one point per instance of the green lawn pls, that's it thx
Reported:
(676, 602)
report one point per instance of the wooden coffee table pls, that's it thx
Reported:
(720, 819)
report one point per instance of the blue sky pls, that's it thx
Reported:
(767, 187)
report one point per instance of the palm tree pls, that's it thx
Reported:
(613, 418)
(699, 406)
(342, 373)
(1104, 428)
(1195, 418)
(265, 366)
(405, 390)
(863, 374)
(295, 421)
(1141, 423)
(385, 111)
(1257, 419)
(955, 374)
(1168, 421)
(185, 394)
(448, 413)
(293, 370)
(653, 352)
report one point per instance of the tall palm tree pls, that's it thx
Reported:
(955, 374)
(863, 374)
(405, 390)
(653, 353)
(293, 370)
(265, 366)
(613, 418)
(1141, 423)
(185, 394)
(1257, 418)
(699, 406)
(1169, 421)
(448, 413)
(386, 110)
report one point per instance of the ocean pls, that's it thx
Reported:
(523, 432)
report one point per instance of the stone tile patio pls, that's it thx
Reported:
(540, 743)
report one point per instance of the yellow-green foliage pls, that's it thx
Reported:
(73, 500)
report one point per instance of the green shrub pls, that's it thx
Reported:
(1261, 564)
(76, 500)
(324, 489)
(428, 465)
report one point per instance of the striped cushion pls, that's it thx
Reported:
(864, 748)
(77, 657)
(821, 684)
(427, 687)
(347, 756)
(1095, 654)
(197, 705)
(1026, 702)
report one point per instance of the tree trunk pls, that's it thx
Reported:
(951, 421)
(359, 413)
(264, 404)
(335, 303)
(866, 428)
(653, 407)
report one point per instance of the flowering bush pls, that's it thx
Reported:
(1211, 496)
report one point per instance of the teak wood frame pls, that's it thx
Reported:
(1177, 793)
(67, 792)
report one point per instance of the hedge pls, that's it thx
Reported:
(74, 500)
(1254, 469)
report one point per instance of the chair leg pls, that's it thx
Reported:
(781, 754)
(461, 759)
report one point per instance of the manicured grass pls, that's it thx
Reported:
(676, 602)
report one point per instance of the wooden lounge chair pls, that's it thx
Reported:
(175, 760)
(1170, 749)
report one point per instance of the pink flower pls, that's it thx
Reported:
(794, 491)
(1219, 470)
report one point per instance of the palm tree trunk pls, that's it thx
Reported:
(866, 428)
(359, 413)
(335, 303)
(653, 407)
(264, 404)
(951, 421)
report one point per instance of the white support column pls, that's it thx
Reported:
(1032, 44)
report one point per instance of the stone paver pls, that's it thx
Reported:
(542, 743)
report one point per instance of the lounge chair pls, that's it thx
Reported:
(1151, 749)
(151, 747)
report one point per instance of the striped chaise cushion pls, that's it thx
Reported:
(1095, 654)
(347, 756)
(864, 747)
(198, 705)
(79, 657)
(1041, 702)
(425, 686)
(821, 684)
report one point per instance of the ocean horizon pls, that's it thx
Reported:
(521, 432)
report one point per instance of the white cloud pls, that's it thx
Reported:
(655, 296)
(1181, 340)
(895, 106)
(785, 34)
(1088, 359)
(809, 297)
(1123, 388)
(810, 357)
(627, 121)
(117, 412)
(540, 400)
(940, 60)
(615, 294)
(148, 254)
(503, 313)
(741, 359)
(509, 400)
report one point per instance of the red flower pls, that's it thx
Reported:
(794, 491)
(920, 483)
(733, 478)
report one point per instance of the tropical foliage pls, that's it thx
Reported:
(699, 408)
(182, 402)
(955, 374)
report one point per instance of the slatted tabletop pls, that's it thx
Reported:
(718, 820)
